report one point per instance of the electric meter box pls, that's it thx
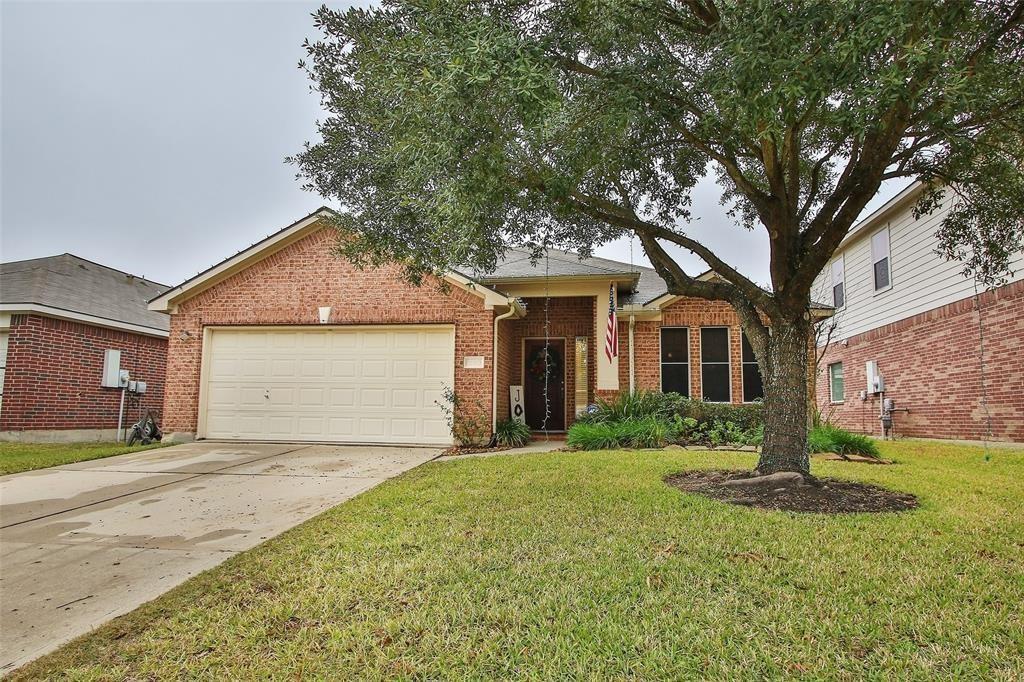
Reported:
(875, 382)
(111, 369)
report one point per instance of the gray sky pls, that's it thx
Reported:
(150, 136)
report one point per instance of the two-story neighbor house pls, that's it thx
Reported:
(948, 354)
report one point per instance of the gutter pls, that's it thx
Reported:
(513, 309)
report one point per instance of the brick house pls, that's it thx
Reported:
(287, 341)
(58, 318)
(948, 354)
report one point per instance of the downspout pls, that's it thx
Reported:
(632, 371)
(494, 365)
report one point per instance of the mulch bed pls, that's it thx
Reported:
(472, 450)
(818, 495)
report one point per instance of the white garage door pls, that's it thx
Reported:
(356, 385)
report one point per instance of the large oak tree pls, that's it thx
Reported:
(456, 129)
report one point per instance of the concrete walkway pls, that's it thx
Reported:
(83, 543)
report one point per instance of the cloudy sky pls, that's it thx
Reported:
(151, 136)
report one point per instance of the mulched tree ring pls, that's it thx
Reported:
(815, 495)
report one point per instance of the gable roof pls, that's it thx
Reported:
(75, 288)
(643, 284)
(167, 301)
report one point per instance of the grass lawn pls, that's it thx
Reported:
(16, 457)
(586, 565)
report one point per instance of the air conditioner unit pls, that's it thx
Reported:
(875, 382)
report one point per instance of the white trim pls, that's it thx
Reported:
(167, 302)
(728, 363)
(48, 311)
(688, 363)
(831, 395)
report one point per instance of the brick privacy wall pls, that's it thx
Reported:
(692, 313)
(568, 317)
(288, 287)
(930, 363)
(54, 369)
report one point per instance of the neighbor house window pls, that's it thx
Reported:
(838, 283)
(714, 364)
(753, 386)
(675, 360)
(835, 382)
(880, 259)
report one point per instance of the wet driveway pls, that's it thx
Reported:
(83, 543)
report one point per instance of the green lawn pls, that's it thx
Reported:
(16, 457)
(587, 566)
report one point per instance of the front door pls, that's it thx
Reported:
(536, 368)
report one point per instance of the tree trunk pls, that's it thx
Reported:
(785, 372)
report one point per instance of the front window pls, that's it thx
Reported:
(675, 360)
(838, 283)
(835, 382)
(753, 386)
(880, 259)
(714, 364)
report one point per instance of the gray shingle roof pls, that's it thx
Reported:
(78, 285)
(517, 265)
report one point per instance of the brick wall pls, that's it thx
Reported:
(568, 317)
(931, 365)
(692, 313)
(288, 286)
(54, 369)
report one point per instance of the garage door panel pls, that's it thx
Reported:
(329, 385)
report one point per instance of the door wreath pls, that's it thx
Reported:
(541, 369)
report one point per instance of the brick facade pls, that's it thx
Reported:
(54, 369)
(567, 318)
(692, 313)
(931, 365)
(287, 288)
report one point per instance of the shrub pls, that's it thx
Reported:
(648, 432)
(512, 433)
(637, 405)
(470, 422)
(830, 438)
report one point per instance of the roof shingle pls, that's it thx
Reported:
(77, 285)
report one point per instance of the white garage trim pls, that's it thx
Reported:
(370, 366)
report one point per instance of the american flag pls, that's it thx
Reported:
(611, 335)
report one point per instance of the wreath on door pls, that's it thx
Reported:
(543, 364)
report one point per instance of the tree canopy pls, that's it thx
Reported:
(456, 129)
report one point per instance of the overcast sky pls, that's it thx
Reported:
(151, 136)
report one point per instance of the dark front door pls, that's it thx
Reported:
(535, 371)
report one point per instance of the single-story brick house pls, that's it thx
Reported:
(59, 317)
(287, 341)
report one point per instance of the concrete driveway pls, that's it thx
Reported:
(83, 543)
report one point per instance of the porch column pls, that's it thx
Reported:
(607, 370)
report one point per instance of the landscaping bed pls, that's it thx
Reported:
(817, 495)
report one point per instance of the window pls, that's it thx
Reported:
(880, 259)
(675, 360)
(714, 364)
(580, 389)
(753, 387)
(838, 283)
(835, 382)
